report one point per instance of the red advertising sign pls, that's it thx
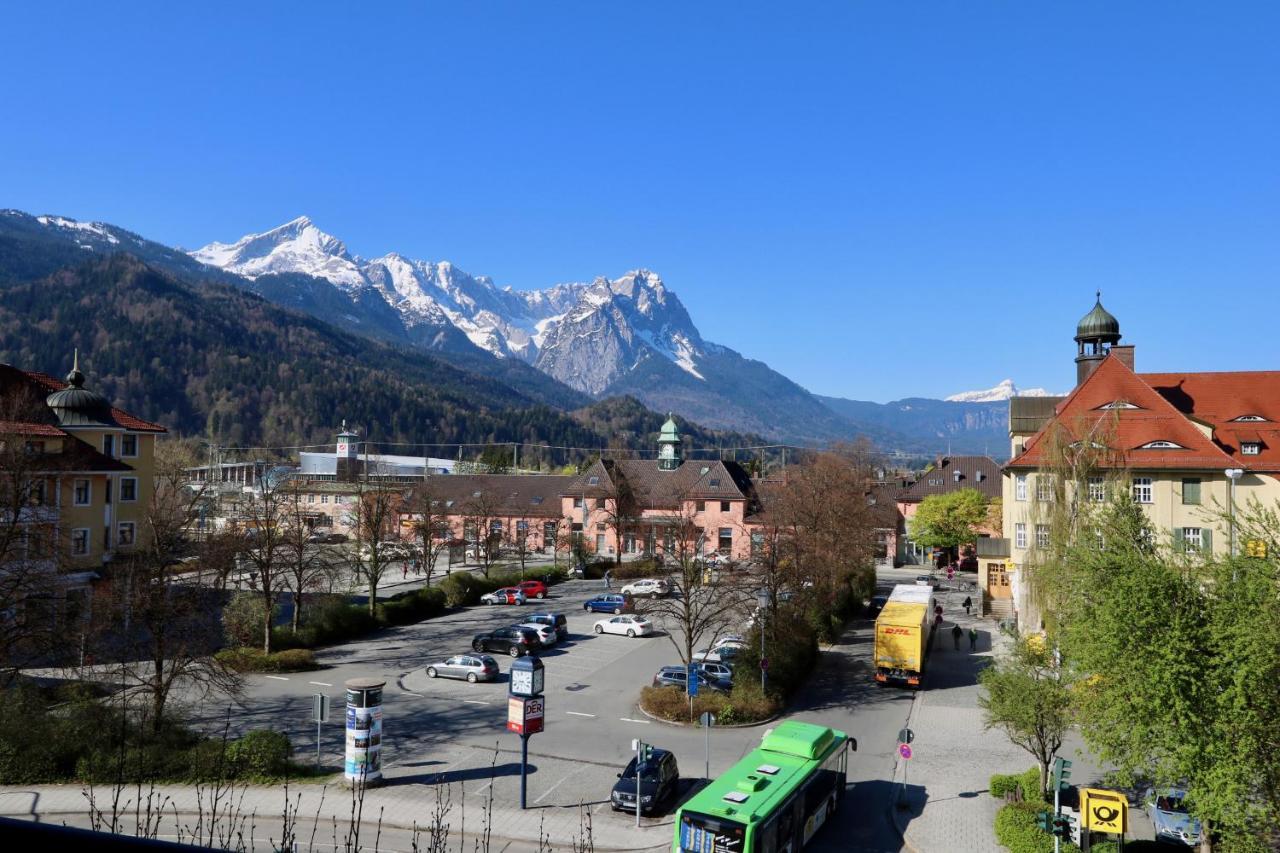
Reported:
(525, 714)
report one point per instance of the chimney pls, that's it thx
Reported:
(1125, 354)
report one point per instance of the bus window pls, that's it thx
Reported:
(702, 834)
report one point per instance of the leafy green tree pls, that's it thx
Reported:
(950, 520)
(1029, 698)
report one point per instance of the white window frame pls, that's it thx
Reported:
(88, 491)
(124, 439)
(1020, 535)
(1193, 539)
(1250, 448)
(76, 549)
(133, 499)
(324, 499)
(1042, 536)
(1044, 488)
(1143, 490)
(133, 534)
(1019, 487)
(1097, 490)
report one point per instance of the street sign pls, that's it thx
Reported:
(707, 720)
(904, 749)
(1104, 811)
(693, 680)
(525, 714)
(906, 736)
(320, 709)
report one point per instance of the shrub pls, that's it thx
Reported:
(1016, 829)
(333, 619)
(1029, 784)
(792, 649)
(746, 704)
(409, 607)
(255, 660)
(260, 753)
(243, 618)
(1002, 785)
(462, 589)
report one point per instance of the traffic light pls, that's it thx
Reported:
(646, 751)
(1062, 826)
(1061, 773)
(1044, 820)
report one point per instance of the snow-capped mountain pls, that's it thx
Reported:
(585, 335)
(1002, 391)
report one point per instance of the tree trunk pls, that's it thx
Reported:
(266, 628)
(296, 621)
(1044, 776)
(373, 597)
(157, 694)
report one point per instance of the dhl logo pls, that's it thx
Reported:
(895, 630)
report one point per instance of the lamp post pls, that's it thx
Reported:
(1233, 474)
(762, 599)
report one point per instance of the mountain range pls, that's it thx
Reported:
(562, 346)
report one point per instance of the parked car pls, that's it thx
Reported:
(610, 602)
(387, 552)
(547, 635)
(512, 640)
(1170, 818)
(631, 625)
(677, 676)
(319, 536)
(533, 589)
(506, 595)
(719, 671)
(555, 620)
(651, 587)
(876, 604)
(717, 654)
(471, 667)
(730, 640)
(924, 580)
(659, 783)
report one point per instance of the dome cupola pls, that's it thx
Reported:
(1098, 324)
(76, 405)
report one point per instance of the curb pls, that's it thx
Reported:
(677, 725)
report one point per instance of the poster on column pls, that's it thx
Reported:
(364, 741)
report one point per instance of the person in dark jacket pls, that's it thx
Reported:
(968, 602)
(973, 639)
(956, 633)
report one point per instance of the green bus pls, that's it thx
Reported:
(772, 801)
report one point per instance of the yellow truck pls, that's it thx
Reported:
(902, 636)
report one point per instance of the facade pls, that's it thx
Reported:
(948, 474)
(1187, 446)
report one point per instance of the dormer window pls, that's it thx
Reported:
(593, 481)
(1119, 404)
(1161, 445)
(1250, 448)
(1249, 419)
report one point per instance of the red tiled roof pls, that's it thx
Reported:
(1220, 398)
(29, 428)
(1145, 416)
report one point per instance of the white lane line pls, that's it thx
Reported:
(629, 720)
(276, 677)
(576, 714)
(475, 701)
(552, 788)
(320, 683)
(407, 693)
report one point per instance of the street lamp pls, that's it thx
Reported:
(762, 599)
(1233, 474)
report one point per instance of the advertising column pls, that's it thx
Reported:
(364, 730)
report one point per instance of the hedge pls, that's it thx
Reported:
(746, 704)
(245, 659)
(1016, 829)
(1026, 784)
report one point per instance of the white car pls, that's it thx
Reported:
(546, 634)
(506, 595)
(628, 624)
(718, 653)
(651, 587)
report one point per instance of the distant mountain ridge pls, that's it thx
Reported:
(1003, 391)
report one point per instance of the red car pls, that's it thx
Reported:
(532, 589)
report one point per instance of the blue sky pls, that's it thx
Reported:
(877, 199)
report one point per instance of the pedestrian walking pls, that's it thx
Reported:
(608, 579)
(956, 634)
(968, 602)
(937, 611)
(405, 575)
(973, 639)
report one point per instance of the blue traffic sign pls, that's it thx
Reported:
(693, 680)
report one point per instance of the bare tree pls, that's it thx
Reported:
(305, 563)
(163, 630)
(483, 515)
(374, 516)
(264, 549)
(621, 507)
(430, 524)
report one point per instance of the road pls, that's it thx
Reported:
(439, 731)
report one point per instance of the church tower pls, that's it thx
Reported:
(1096, 333)
(669, 446)
(347, 455)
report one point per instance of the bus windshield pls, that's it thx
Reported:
(702, 834)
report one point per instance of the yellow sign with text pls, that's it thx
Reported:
(1104, 811)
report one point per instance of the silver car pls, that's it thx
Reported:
(1170, 818)
(471, 667)
(547, 635)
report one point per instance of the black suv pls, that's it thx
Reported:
(513, 641)
(678, 676)
(659, 783)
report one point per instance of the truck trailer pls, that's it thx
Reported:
(903, 631)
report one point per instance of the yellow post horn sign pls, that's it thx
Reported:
(1104, 811)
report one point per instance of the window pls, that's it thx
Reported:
(124, 535)
(599, 503)
(311, 499)
(1044, 487)
(757, 543)
(1192, 539)
(1042, 536)
(82, 493)
(1161, 445)
(36, 493)
(1191, 490)
(702, 506)
(1250, 448)
(34, 447)
(324, 499)
(1097, 490)
(80, 542)
(128, 445)
(724, 506)
(128, 489)
(339, 499)
(1142, 490)
(725, 543)
(1118, 404)
(599, 543)
(1253, 419)
(1020, 535)
(1020, 487)
(109, 445)
(600, 525)
(577, 503)
(593, 481)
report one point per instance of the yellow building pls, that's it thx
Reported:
(1191, 448)
(82, 469)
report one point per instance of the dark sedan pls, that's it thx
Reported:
(512, 641)
(659, 783)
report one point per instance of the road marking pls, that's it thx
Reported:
(407, 693)
(320, 683)
(475, 701)
(577, 714)
(276, 677)
(552, 788)
(629, 720)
